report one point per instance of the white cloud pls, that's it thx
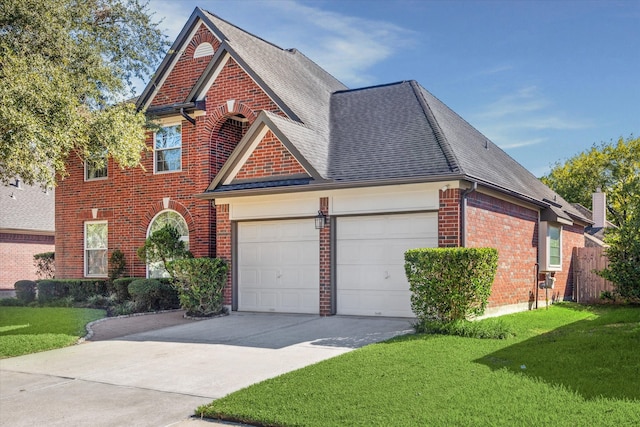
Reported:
(522, 118)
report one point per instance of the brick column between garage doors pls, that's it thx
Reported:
(325, 261)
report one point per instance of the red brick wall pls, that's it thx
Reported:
(186, 71)
(513, 230)
(130, 198)
(223, 246)
(449, 218)
(325, 261)
(16, 256)
(270, 159)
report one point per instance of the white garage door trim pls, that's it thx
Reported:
(278, 266)
(370, 278)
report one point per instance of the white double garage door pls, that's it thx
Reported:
(278, 263)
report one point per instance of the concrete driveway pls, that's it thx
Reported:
(158, 378)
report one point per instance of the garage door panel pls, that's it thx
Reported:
(278, 267)
(370, 263)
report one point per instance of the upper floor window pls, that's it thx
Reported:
(95, 169)
(168, 149)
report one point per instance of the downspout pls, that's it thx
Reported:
(463, 213)
(188, 117)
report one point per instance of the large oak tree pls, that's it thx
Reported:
(66, 70)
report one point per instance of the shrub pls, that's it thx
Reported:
(153, 294)
(489, 328)
(121, 288)
(450, 283)
(26, 290)
(49, 290)
(117, 266)
(11, 302)
(199, 282)
(76, 289)
(624, 258)
(164, 246)
(45, 264)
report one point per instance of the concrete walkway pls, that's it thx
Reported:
(157, 377)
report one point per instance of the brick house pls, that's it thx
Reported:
(310, 190)
(26, 229)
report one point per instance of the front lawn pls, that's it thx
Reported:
(25, 330)
(570, 365)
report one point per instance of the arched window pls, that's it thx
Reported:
(174, 219)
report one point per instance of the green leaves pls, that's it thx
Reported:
(200, 282)
(65, 68)
(450, 284)
(614, 167)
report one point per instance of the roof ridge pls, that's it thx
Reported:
(242, 29)
(448, 152)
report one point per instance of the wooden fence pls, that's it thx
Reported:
(588, 285)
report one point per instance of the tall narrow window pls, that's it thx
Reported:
(174, 219)
(555, 249)
(168, 149)
(95, 248)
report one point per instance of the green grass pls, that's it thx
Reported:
(25, 330)
(569, 365)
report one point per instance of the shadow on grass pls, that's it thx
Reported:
(596, 357)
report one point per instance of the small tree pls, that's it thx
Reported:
(164, 246)
(450, 284)
(45, 264)
(624, 258)
(117, 264)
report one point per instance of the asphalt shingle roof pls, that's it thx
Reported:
(30, 208)
(376, 134)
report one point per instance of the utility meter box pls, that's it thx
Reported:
(549, 282)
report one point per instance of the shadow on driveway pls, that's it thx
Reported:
(276, 331)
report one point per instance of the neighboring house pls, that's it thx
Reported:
(594, 233)
(259, 146)
(26, 229)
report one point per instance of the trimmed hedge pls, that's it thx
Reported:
(449, 284)
(153, 294)
(77, 289)
(26, 290)
(200, 282)
(121, 288)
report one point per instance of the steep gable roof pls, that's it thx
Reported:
(299, 86)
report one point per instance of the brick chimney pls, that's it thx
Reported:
(599, 208)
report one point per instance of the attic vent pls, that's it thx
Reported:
(203, 49)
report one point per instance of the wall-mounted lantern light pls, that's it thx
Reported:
(321, 220)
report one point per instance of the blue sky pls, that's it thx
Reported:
(542, 79)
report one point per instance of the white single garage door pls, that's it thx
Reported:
(278, 266)
(370, 261)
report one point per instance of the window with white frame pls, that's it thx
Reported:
(168, 149)
(550, 249)
(164, 218)
(95, 169)
(95, 248)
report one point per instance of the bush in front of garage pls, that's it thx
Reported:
(199, 282)
(450, 284)
(153, 294)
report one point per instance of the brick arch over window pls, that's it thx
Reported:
(225, 132)
(158, 207)
(203, 35)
